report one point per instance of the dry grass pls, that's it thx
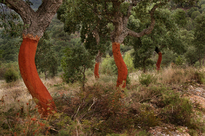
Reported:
(101, 109)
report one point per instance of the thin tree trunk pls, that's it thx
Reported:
(159, 60)
(31, 78)
(121, 66)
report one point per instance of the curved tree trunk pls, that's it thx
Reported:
(122, 68)
(30, 76)
(35, 23)
(159, 60)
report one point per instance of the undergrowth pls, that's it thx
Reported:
(102, 109)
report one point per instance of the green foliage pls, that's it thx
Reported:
(168, 57)
(199, 77)
(198, 36)
(108, 66)
(146, 79)
(191, 55)
(180, 17)
(166, 35)
(180, 60)
(128, 59)
(10, 21)
(177, 110)
(80, 19)
(191, 10)
(74, 63)
(11, 69)
(10, 48)
(195, 14)
(46, 58)
(11, 75)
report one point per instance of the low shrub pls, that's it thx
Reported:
(108, 66)
(146, 79)
(199, 77)
(2, 71)
(74, 64)
(11, 75)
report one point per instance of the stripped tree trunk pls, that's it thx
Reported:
(99, 55)
(121, 66)
(30, 75)
(35, 24)
(159, 58)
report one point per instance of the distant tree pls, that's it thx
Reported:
(180, 17)
(74, 63)
(191, 10)
(10, 49)
(165, 35)
(195, 14)
(46, 59)
(93, 32)
(199, 35)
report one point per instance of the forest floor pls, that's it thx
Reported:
(156, 98)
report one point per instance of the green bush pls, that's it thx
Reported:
(74, 64)
(2, 71)
(128, 59)
(108, 66)
(146, 79)
(199, 77)
(176, 110)
(195, 14)
(11, 75)
(180, 60)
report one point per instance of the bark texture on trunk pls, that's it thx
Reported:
(30, 76)
(121, 66)
(35, 23)
(159, 61)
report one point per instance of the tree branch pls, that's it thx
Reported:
(151, 27)
(96, 35)
(20, 7)
(35, 23)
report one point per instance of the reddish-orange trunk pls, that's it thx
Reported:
(122, 68)
(30, 76)
(159, 61)
(96, 70)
